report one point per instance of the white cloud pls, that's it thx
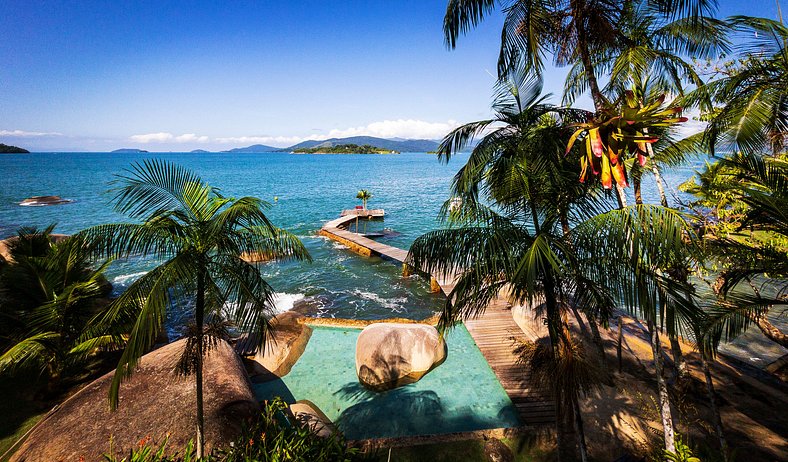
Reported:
(160, 137)
(280, 140)
(400, 128)
(26, 134)
(191, 138)
(165, 137)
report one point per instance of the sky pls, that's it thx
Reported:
(177, 76)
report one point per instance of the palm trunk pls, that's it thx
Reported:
(553, 328)
(714, 410)
(664, 397)
(590, 72)
(581, 437)
(771, 331)
(679, 363)
(199, 318)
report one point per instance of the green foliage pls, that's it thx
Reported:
(364, 195)
(622, 130)
(50, 298)
(745, 106)
(345, 149)
(683, 453)
(6, 149)
(274, 437)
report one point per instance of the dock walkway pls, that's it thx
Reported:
(493, 331)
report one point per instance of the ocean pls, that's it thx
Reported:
(304, 192)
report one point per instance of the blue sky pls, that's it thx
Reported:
(172, 76)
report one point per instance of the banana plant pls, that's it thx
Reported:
(623, 130)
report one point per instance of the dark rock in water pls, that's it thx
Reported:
(44, 200)
(154, 402)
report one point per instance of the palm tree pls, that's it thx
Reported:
(198, 235)
(756, 250)
(50, 295)
(752, 116)
(364, 195)
(580, 31)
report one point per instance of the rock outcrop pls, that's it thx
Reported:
(281, 350)
(154, 402)
(310, 416)
(389, 355)
(44, 200)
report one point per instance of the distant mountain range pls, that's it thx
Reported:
(256, 148)
(129, 150)
(401, 145)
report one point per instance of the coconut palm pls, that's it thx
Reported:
(747, 107)
(571, 31)
(754, 279)
(527, 227)
(364, 195)
(197, 235)
(51, 293)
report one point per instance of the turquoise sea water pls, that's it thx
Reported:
(461, 394)
(311, 189)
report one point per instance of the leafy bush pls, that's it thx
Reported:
(274, 437)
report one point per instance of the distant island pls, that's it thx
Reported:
(255, 148)
(199, 151)
(344, 149)
(394, 144)
(129, 150)
(6, 149)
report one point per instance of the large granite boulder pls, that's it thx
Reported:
(154, 402)
(281, 350)
(308, 415)
(389, 355)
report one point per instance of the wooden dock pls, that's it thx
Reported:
(493, 331)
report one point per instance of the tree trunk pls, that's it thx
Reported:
(714, 410)
(620, 342)
(771, 331)
(581, 437)
(199, 314)
(664, 398)
(663, 199)
(600, 349)
(679, 363)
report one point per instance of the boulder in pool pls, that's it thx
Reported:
(282, 349)
(389, 355)
(154, 402)
(308, 415)
(44, 200)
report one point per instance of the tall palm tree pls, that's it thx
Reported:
(50, 294)
(364, 195)
(580, 31)
(198, 235)
(747, 107)
(539, 236)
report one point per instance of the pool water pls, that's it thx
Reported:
(462, 394)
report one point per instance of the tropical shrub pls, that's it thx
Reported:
(274, 437)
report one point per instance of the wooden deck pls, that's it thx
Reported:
(493, 332)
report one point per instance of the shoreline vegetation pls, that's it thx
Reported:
(619, 307)
(344, 149)
(7, 149)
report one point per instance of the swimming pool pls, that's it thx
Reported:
(462, 394)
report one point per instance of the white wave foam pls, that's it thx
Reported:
(285, 302)
(126, 277)
(396, 304)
